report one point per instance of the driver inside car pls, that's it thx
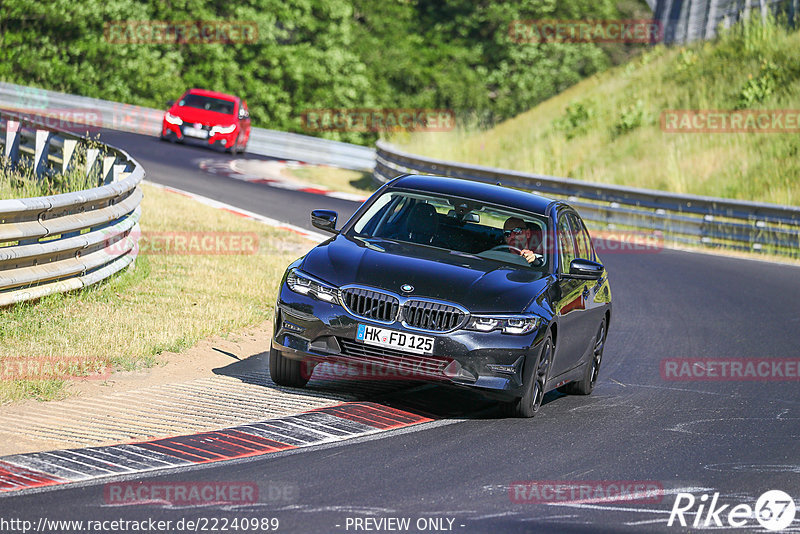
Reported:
(519, 239)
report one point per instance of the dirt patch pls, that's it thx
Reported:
(196, 362)
(246, 348)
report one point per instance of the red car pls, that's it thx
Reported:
(208, 118)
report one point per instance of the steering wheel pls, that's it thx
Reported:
(538, 262)
(504, 248)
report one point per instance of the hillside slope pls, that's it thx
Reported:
(607, 128)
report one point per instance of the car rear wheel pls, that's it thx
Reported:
(586, 384)
(528, 405)
(285, 371)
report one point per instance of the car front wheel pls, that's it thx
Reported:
(528, 405)
(234, 148)
(285, 371)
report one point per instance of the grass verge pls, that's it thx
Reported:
(164, 302)
(20, 182)
(608, 129)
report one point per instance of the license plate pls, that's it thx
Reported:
(384, 337)
(191, 131)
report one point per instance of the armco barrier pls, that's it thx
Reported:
(147, 121)
(683, 219)
(62, 242)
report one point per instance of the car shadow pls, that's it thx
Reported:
(436, 401)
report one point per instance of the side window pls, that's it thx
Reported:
(566, 243)
(582, 239)
(588, 240)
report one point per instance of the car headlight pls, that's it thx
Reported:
(172, 119)
(510, 324)
(299, 282)
(223, 129)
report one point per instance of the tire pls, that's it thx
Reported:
(528, 405)
(286, 372)
(585, 385)
(234, 147)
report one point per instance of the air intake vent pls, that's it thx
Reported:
(371, 304)
(411, 365)
(432, 316)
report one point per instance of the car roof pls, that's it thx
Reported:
(493, 194)
(214, 94)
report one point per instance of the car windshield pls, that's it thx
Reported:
(208, 103)
(458, 225)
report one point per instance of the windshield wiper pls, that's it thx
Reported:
(370, 244)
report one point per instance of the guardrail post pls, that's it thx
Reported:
(91, 158)
(11, 151)
(711, 20)
(108, 170)
(117, 171)
(66, 154)
(40, 162)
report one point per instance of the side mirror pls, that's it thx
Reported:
(585, 269)
(324, 220)
(170, 103)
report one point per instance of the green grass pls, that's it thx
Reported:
(20, 182)
(343, 180)
(607, 128)
(165, 302)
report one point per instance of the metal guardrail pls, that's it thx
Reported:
(686, 219)
(147, 121)
(65, 242)
(684, 21)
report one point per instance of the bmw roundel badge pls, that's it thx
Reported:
(407, 288)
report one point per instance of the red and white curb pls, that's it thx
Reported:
(313, 236)
(322, 425)
(231, 169)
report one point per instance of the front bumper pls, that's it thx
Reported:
(175, 131)
(493, 363)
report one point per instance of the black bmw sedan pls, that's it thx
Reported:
(471, 284)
